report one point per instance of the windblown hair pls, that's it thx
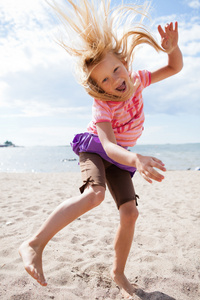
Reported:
(98, 29)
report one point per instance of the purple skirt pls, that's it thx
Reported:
(88, 142)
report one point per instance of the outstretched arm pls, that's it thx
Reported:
(169, 42)
(145, 164)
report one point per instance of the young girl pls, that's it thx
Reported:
(104, 55)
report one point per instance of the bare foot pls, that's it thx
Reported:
(128, 290)
(32, 259)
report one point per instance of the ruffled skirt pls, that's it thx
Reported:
(88, 142)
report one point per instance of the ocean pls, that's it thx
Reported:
(62, 159)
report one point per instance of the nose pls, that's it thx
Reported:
(115, 80)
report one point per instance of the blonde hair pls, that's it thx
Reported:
(99, 30)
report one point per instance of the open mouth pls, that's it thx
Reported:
(122, 87)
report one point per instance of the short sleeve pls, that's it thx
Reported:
(145, 78)
(101, 112)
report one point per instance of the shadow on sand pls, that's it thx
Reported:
(153, 296)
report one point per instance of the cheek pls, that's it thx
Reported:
(108, 88)
(125, 73)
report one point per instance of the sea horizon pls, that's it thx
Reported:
(61, 158)
(138, 144)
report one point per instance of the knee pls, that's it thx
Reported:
(128, 214)
(96, 195)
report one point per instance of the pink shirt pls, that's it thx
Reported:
(126, 117)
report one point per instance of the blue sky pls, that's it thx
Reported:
(41, 103)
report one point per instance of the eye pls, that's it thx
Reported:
(115, 70)
(105, 79)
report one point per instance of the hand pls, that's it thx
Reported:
(169, 36)
(146, 164)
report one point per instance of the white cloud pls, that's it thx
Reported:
(194, 4)
(4, 86)
(190, 31)
(41, 135)
(180, 128)
(28, 37)
(36, 80)
(22, 12)
(36, 109)
(179, 93)
(51, 135)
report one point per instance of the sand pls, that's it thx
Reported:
(165, 256)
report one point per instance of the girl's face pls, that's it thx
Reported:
(112, 76)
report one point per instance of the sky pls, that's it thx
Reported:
(41, 102)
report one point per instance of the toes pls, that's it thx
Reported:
(37, 276)
(41, 280)
(43, 283)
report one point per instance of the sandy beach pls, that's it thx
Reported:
(164, 260)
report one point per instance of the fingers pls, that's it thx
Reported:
(158, 164)
(150, 175)
(149, 172)
(161, 31)
(176, 26)
(168, 27)
(146, 178)
(153, 174)
(172, 27)
(147, 165)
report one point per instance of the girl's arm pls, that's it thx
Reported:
(144, 164)
(169, 41)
